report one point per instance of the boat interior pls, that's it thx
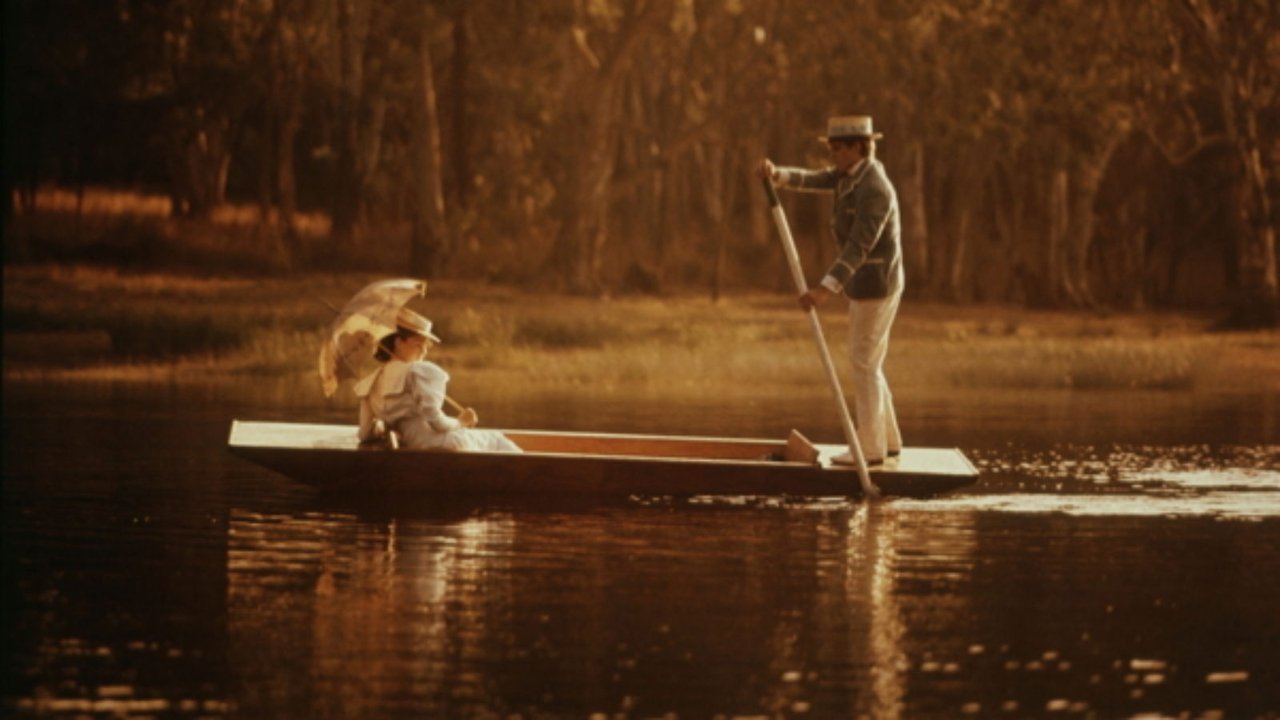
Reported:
(796, 448)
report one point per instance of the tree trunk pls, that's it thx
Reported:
(429, 245)
(591, 124)
(1129, 281)
(199, 158)
(713, 190)
(1235, 38)
(358, 118)
(286, 183)
(1011, 229)
(1034, 247)
(1086, 179)
(949, 257)
(1257, 303)
(460, 147)
(758, 223)
(957, 289)
(284, 119)
(1058, 218)
(915, 224)
(582, 202)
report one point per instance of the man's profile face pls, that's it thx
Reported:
(843, 153)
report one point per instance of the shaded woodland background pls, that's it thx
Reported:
(1071, 153)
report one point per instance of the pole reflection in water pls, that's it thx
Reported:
(889, 662)
(912, 574)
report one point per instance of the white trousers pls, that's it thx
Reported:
(869, 324)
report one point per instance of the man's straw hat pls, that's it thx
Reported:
(847, 127)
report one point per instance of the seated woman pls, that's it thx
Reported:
(407, 393)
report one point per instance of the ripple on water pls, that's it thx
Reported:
(1233, 483)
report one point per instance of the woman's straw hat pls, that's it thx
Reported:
(409, 320)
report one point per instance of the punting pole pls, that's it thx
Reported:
(797, 274)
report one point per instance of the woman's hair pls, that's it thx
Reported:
(387, 345)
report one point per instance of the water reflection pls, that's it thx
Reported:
(352, 617)
(790, 613)
(1096, 570)
(564, 613)
(815, 609)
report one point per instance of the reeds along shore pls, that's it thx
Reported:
(76, 321)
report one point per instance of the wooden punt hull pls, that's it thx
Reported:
(575, 464)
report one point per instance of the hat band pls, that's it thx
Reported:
(846, 132)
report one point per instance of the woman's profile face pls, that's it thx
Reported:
(412, 348)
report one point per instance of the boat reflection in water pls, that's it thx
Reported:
(614, 609)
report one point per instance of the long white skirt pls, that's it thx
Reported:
(479, 440)
(420, 436)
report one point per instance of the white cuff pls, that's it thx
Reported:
(832, 284)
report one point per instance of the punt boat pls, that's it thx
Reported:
(569, 464)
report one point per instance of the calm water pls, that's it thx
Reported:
(1120, 558)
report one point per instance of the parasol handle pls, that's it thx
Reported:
(454, 403)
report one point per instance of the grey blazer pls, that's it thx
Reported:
(864, 224)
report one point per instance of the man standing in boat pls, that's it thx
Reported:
(868, 271)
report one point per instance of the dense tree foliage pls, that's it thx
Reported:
(1066, 153)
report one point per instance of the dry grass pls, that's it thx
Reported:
(201, 328)
(103, 202)
(109, 228)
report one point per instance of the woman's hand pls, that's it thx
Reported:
(468, 418)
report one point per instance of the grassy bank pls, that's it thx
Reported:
(88, 323)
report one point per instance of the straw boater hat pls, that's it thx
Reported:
(409, 320)
(847, 127)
